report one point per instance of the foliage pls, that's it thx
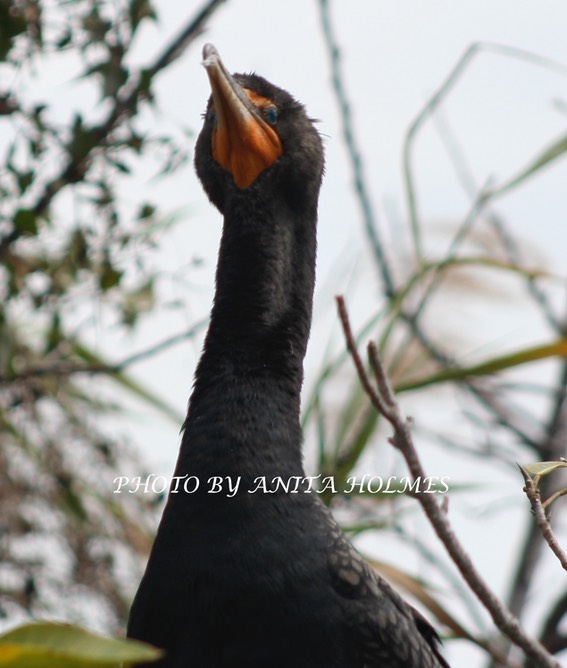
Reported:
(69, 252)
(45, 645)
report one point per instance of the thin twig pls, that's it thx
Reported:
(532, 492)
(402, 440)
(362, 191)
(351, 345)
(554, 497)
(550, 448)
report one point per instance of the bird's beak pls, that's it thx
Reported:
(243, 143)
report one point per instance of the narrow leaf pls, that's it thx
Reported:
(556, 150)
(556, 349)
(543, 468)
(50, 645)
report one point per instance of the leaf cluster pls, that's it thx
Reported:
(72, 253)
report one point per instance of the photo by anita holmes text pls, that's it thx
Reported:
(317, 484)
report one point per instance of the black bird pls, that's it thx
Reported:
(262, 580)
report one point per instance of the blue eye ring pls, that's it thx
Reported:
(271, 114)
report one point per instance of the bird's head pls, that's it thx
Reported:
(255, 135)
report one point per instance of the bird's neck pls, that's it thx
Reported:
(248, 382)
(264, 287)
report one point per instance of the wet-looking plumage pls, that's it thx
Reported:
(257, 579)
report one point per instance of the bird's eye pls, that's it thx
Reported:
(272, 114)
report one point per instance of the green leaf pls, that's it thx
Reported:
(71, 499)
(83, 140)
(13, 23)
(556, 349)
(543, 468)
(140, 300)
(78, 249)
(25, 222)
(146, 211)
(65, 39)
(120, 165)
(347, 460)
(54, 335)
(556, 150)
(25, 179)
(110, 277)
(49, 645)
(139, 10)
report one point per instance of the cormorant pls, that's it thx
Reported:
(241, 577)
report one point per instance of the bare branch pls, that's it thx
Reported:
(351, 345)
(549, 447)
(402, 440)
(362, 192)
(532, 492)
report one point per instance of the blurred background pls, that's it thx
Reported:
(442, 220)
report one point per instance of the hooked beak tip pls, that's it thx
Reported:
(210, 56)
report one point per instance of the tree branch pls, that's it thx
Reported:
(402, 440)
(362, 192)
(550, 448)
(532, 492)
(125, 106)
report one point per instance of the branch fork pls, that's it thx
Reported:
(383, 399)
